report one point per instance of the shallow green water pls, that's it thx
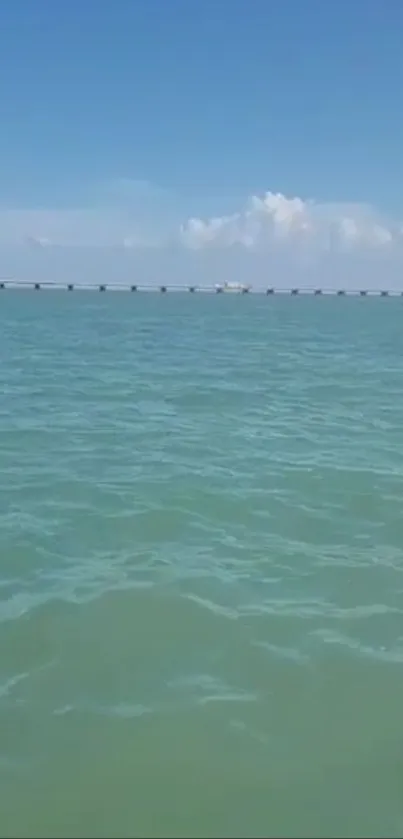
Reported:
(201, 557)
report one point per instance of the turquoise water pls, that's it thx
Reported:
(201, 557)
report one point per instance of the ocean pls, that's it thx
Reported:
(201, 565)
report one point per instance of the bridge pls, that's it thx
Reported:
(10, 283)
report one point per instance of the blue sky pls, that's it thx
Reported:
(121, 122)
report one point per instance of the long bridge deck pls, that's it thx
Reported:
(9, 283)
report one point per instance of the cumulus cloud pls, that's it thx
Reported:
(132, 231)
(274, 220)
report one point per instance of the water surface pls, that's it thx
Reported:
(201, 557)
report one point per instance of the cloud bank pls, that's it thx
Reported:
(136, 234)
(274, 219)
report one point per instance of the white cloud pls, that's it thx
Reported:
(276, 220)
(120, 213)
(102, 227)
(135, 232)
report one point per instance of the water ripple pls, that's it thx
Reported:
(201, 547)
